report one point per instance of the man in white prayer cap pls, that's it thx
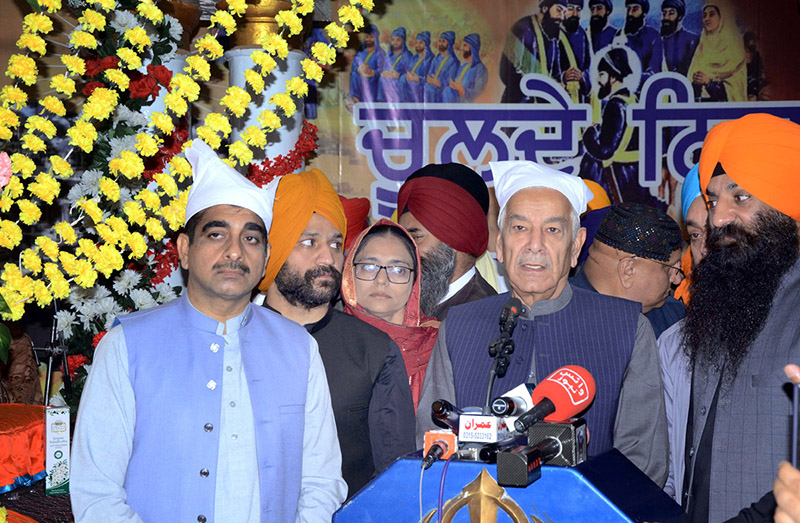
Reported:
(208, 408)
(539, 242)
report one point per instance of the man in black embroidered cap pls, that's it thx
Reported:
(443, 207)
(637, 255)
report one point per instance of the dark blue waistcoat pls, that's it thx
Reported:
(593, 330)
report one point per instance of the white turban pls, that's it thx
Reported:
(217, 183)
(513, 176)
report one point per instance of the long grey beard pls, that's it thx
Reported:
(437, 269)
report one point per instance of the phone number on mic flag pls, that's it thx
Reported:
(481, 429)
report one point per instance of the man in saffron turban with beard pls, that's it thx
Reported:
(741, 326)
(367, 377)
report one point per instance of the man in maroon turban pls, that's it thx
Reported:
(443, 207)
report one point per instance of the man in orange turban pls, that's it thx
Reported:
(742, 322)
(366, 375)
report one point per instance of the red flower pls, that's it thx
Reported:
(97, 338)
(90, 87)
(95, 66)
(161, 74)
(143, 85)
(269, 169)
(75, 362)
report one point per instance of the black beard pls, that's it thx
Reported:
(300, 291)
(733, 288)
(572, 24)
(633, 24)
(597, 23)
(437, 269)
(668, 27)
(604, 91)
(550, 25)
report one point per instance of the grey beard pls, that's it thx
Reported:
(437, 269)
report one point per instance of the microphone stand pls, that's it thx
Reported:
(54, 351)
(500, 349)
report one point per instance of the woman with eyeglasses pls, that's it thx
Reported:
(380, 285)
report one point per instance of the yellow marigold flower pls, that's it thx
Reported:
(129, 58)
(237, 7)
(29, 212)
(32, 42)
(162, 122)
(6, 202)
(289, 19)
(167, 183)
(14, 187)
(198, 68)
(210, 137)
(33, 143)
(10, 234)
(264, 61)
(269, 121)
(210, 46)
(12, 275)
(63, 85)
(134, 212)
(31, 261)
(338, 35)
(218, 123)
(274, 44)
(146, 144)
(12, 96)
(5, 133)
(323, 53)
(254, 136)
(349, 13)
(367, 4)
(23, 68)
(254, 80)
(58, 284)
(91, 209)
(303, 7)
(138, 38)
(48, 247)
(109, 188)
(118, 78)
(180, 168)
(185, 86)
(297, 86)
(51, 5)
(224, 19)
(155, 229)
(175, 212)
(46, 188)
(92, 20)
(100, 105)
(85, 275)
(119, 227)
(60, 166)
(16, 303)
(68, 262)
(86, 247)
(105, 5)
(42, 293)
(37, 23)
(82, 39)
(285, 103)
(229, 161)
(312, 70)
(128, 164)
(241, 153)
(75, 64)
(43, 125)
(176, 103)
(150, 12)
(149, 199)
(137, 244)
(21, 164)
(53, 105)
(236, 100)
(66, 232)
(106, 234)
(83, 135)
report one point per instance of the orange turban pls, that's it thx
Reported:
(600, 198)
(299, 196)
(761, 154)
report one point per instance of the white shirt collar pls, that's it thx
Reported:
(458, 284)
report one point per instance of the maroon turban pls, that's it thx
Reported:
(357, 211)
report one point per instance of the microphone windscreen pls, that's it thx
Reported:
(571, 389)
(515, 306)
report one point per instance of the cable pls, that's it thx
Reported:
(421, 472)
(441, 486)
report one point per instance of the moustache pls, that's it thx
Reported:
(533, 260)
(233, 264)
(729, 236)
(325, 270)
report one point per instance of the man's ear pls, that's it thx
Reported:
(626, 270)
(498, 246)
(183, 250)
(577, 244)
(266, 260)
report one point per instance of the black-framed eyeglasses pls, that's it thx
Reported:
(679, 271)
(394, 273)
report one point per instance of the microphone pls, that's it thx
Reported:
(562, 395)
(508, 318)
(438, 444)
(444, 414)
(514, 402)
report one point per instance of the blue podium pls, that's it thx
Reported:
(607, 488)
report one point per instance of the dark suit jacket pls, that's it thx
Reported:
(475, 289)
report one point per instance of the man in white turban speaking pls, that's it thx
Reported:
(208, 408)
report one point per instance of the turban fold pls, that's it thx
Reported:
(401, 32)
(678, 5)
(425, 36)
(690, 189)
(299, 196)
(450, 36)
(451, 201)
(640, 230)
(761, 154)
(217, 183)
(615, 62)
(356, 210)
